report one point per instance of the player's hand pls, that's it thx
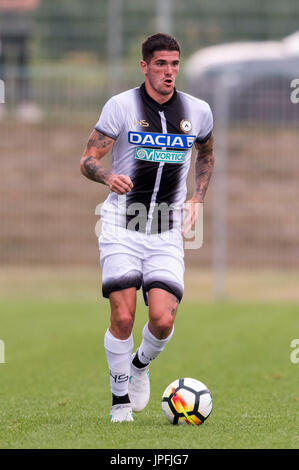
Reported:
(120, 184)
(191, 208)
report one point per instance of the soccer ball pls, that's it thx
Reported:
(187, 401)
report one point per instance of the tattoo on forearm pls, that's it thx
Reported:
(203, 168)
(98, 145)
(95, 171)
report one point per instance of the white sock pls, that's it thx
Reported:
(118, 353)
(151, 346)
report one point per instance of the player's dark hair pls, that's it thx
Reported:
(159, 42)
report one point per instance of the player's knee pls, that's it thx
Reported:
(122, 321)
(162, 325)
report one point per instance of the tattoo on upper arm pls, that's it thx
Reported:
(205, 148)
(203, 167)
(99, 140)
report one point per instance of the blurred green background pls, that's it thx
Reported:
(79, 54)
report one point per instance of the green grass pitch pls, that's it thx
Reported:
(54, 386)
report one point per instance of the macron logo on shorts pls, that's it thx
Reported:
(152, 139)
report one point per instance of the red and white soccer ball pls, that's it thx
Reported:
(187, 401)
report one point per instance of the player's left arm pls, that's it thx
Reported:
(204, 165)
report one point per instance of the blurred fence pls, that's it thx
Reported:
(47, 207)
(68, 25)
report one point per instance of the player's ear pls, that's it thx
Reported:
(143, 66)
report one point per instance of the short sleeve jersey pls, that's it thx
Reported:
(153, 145)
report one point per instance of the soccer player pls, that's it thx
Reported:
(150, 130)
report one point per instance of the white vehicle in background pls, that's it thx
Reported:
(260, 77)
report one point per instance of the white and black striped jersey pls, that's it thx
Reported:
(153, 144)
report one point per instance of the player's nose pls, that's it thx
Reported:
(168, 69)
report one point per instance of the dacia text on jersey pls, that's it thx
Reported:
(153, 139)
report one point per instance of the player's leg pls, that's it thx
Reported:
(118, 347)
(121, 277)
(159, 329)
(155, 335)
(162, 312)
(163, 285)
(122, 306)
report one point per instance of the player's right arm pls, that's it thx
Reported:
(97, 147)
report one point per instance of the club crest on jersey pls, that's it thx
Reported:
(185, 125)
(152, 139)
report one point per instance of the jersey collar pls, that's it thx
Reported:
(154, 104)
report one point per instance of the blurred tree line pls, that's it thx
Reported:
(64, 26)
